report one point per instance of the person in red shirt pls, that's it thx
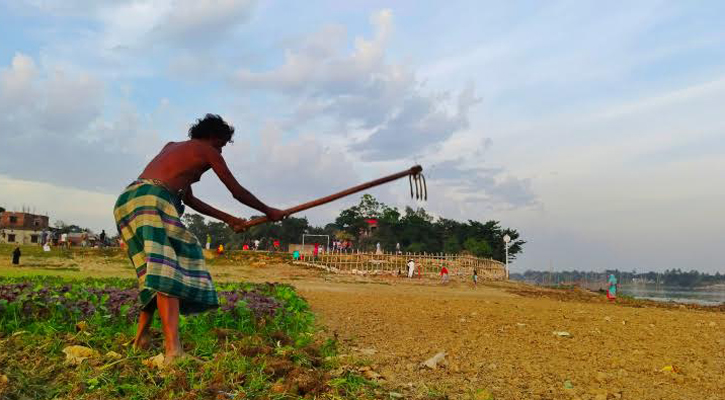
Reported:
(444, 275)
(245, 247)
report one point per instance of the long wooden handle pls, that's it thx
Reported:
(314, 203)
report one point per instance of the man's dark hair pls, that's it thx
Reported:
(211, 126)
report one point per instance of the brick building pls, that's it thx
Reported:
(22, 227)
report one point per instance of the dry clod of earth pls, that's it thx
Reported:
(156, 361)
(433, 362)
(75, 355)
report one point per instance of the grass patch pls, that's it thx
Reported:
(259, 344)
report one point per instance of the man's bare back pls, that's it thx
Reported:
(181, 164)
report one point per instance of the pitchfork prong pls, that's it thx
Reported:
(425, 188)
(420, 188)
(410, 180)
(415, 185)
(418, 194)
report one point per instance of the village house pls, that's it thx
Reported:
(22, 227)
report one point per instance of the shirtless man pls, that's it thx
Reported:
(168, 258)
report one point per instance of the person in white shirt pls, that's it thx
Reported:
(411, 268)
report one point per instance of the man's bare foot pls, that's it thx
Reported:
(173, 356)
(142, 342)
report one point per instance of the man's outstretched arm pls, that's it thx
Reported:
(203, 208)
(240, 194)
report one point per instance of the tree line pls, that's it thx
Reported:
(671, 277)
(371, 222)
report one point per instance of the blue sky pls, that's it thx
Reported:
(594, 128)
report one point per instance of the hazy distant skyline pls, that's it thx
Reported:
(595, 129)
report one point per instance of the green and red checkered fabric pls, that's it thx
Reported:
(167, 256)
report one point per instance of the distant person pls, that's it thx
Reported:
(612, 291)
(397, 248)
(475, 278)
(276, 244)
(64, 240)
(378, 249)
(256, 244)
(16, 255)
(411, 268)
(245, 247)
(220, 249)
(102, 236)
(444, 275)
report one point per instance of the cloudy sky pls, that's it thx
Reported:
(597, 129)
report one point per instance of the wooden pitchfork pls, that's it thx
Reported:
(418, 190)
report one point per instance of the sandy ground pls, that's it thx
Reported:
(498, 338)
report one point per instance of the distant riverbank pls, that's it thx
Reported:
(709, 295)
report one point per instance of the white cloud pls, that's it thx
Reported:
(131, 39)
(54, 102)
(380, 112)
(362, 90)
(318, 68)
(56, 127)
(191, 23)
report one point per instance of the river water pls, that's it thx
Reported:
(704, 296)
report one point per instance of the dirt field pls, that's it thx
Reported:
(498, 338)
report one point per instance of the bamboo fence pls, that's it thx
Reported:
(429, 265)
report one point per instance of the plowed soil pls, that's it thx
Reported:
(500, 341)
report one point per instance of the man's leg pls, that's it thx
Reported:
(143, 337)
(169, 313)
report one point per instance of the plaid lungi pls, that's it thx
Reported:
(167, 256)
